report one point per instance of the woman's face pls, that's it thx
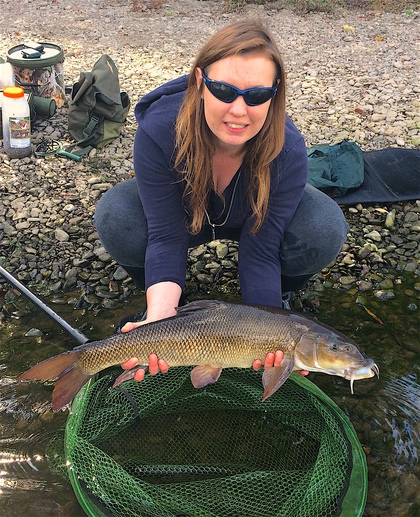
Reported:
(235, 123)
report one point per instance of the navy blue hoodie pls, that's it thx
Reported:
(160, 187)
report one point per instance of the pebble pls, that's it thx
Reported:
(344, 88)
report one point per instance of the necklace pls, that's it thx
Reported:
(213, 225)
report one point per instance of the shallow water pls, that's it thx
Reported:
(384, 412)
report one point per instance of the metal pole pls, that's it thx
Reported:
(74, 333)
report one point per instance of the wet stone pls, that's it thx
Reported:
(91, 299)
(34, 333)
(103, 292)
(374, 235)
(387, 283)
(108, 303)
(198, 252)
(73, 272)
(222, 250)
(120, 274)
(384, 296)
(365, 286)
(94, 277)
(347, 280)
(205, 279)
(70, 283)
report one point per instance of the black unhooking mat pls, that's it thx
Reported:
(390, 175)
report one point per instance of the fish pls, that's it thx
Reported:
(211, 335)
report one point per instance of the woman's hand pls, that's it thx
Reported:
(274, 360)
(162, 300)
(155, 365)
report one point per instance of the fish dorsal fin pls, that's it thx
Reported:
(274, 377)
(204, 375)
(200, 305)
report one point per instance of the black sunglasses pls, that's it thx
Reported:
(227, 93)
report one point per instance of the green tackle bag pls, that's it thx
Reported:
(336, 169)
(97, 108)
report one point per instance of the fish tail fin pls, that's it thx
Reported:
(68, 385)
(71, 376)
(51, 368)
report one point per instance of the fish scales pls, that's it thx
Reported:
(235, 336)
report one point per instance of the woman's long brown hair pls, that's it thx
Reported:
(194, 140)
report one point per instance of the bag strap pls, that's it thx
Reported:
(89, 131)
(79, 151)
(88, 136)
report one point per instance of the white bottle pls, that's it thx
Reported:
(16, 123)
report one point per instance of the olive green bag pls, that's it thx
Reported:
(98, 109)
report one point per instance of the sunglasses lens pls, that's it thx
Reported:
(258, 96)
(227, 93)
(223, 92)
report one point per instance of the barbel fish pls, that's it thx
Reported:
(212, 335)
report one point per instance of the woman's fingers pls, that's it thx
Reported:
(131, 363)
(131, 325)
(163, 366)
(155, 365)
(304, 373)
(271, 360)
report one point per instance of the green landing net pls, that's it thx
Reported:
(161, 448)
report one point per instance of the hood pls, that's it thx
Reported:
(157, 111)
(163, 96)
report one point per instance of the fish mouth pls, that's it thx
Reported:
(360, 372)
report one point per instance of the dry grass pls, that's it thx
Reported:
(332, 5)
(306, 5)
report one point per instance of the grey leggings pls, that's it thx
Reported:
(312, 241)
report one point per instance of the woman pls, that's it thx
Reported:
(215, 156)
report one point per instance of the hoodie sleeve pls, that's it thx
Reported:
(259, 254)
(161, 196)
(158, 183)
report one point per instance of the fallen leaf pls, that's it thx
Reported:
(379, 38)
(373, 315)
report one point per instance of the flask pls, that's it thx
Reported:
(16, 123)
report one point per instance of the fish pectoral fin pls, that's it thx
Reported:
(127, 375)
(274, 377)
(204, 375)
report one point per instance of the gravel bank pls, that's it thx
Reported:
(351, 75)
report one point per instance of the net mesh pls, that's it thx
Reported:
(162, 448)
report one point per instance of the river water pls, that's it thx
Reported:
(384, 412)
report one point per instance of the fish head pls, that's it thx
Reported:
(335, 354)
